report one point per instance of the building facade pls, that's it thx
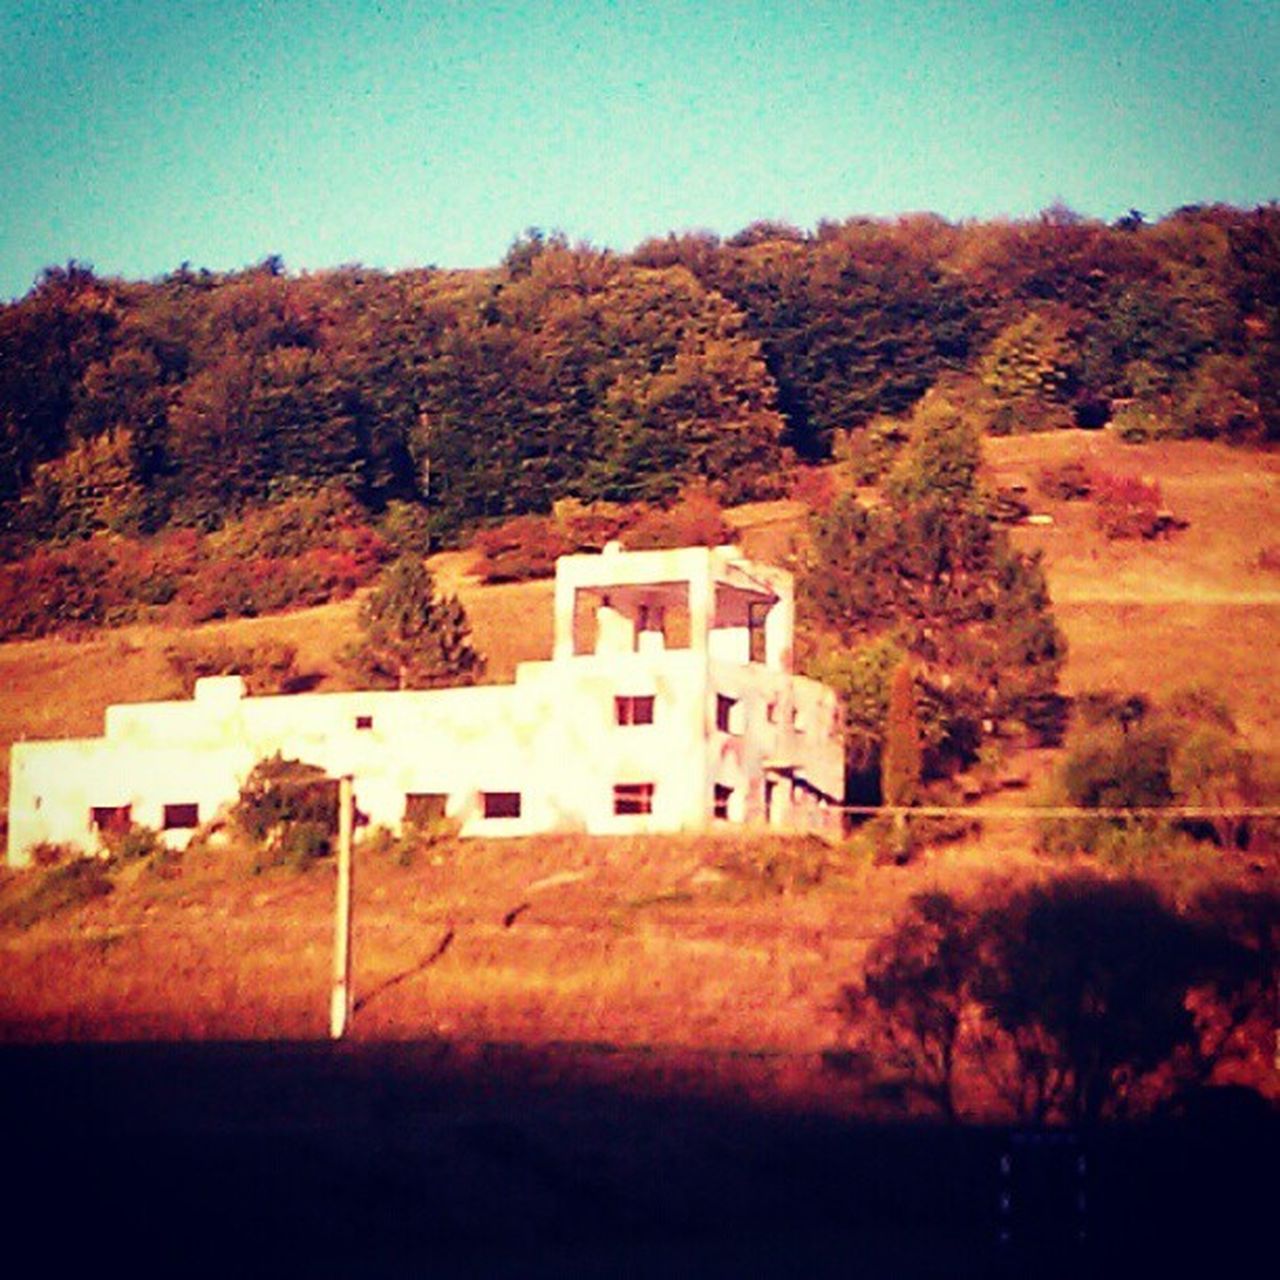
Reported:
(668, 704)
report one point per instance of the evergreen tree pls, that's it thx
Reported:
(902, 759)
(413, 637)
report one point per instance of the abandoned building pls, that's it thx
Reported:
(668, 704)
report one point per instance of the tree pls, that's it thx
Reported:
(414, 638)
(903, 754)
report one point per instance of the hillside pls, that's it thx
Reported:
(1145, 616)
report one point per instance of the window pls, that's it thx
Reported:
(501, 804)
(181, 817)
(634, 710)
(364, 722)
(726, 719)
(757, 612)
(633, 797)
(720, 806)
(112, 819)
(424, 808)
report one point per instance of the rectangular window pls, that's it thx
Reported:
(364, 722)
(726, 720)
(423, 808)
(501, 804)
(181, 817)
(633, 797)
(634, 710)
(112, 819)
(720, 806)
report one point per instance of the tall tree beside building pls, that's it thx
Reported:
(413, 637)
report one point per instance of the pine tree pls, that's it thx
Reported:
(413, 637)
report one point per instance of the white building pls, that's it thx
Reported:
(669, 704)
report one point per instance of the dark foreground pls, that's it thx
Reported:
(433, 1160)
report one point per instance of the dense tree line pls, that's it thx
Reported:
(571, 372)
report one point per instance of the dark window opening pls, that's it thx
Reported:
(181, 817)
(423, 808)
(634, 710)
(364, 722)
(724, 713)
(720, 806)
(757, 612)
(112, 819)
(633, 797)
(501, 804)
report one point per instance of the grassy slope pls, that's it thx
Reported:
(627, 942)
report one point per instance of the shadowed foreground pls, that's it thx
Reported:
(439, 1158)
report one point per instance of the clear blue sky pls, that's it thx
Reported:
(138, 134)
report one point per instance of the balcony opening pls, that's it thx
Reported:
(728, 714)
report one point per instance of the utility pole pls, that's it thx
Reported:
(340, 1005)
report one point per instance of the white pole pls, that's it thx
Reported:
(340, 1003)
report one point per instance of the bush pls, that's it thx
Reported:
(268, 666)
(58, 888)
(289, 811)
(1136, 423)
(694, 521)
(136, 844)
(521, 549)
(1067, 481)
(1128, 507)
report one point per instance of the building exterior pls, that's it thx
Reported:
(668, 704)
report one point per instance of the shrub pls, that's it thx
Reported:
(1127, 507)
(520, 549)
(1067, 481)
(1136, 422)
(695, 520)
(135, 844)
(288, 810)
(55, 889)
(268, 666)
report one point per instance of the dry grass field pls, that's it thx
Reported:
(714, 943)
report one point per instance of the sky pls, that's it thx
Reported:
(136, 135)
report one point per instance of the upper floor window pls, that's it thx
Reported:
(728, 714)
(364, 722)
(637, 709)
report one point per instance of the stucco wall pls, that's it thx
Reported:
(552, 736)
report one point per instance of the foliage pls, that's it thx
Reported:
(1068, 481)
(902, 757)
(931, 569)
(1127, 507)
(695, 520)
(48, 890)
(522, 548)
(268, 666)
(288, 810)
(412, 637)
(1126, 753)
(1078, 1000)
(134, 844)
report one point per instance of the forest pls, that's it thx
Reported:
(439, 400)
